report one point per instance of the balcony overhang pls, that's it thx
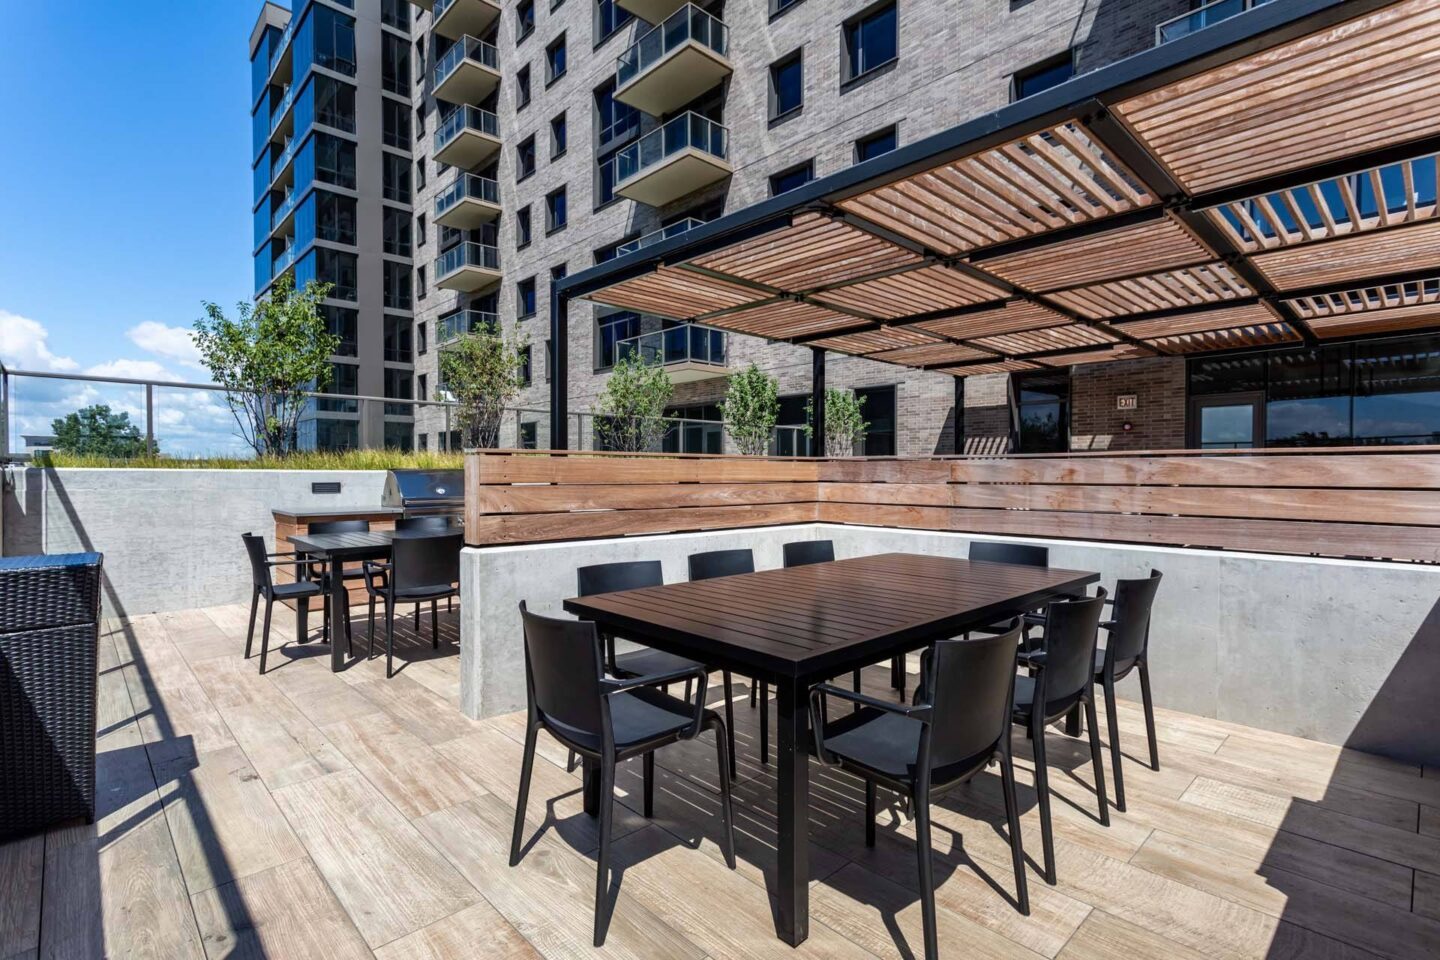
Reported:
(671, 178)
(467, 213)
(468, 148)
(469, 278)
(470, 82)
(426, 5)
(651, 11)
(691, 371)
(675, 79)
(462, 17)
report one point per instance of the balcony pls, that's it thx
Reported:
(651, 11)
(468, 267)
(655, 236)
(468, 72)
(689, 352)
(453, 19)
(425, 5)
(674, 63)
(686, 154)
(467, 137)
(284, 209)
(1202, 17)
(452, 328)
(468, 202)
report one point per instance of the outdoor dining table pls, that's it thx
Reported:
(799, 626)
(338, 549)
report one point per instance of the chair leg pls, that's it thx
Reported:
(753, 684)
(417, 618)
(371, 617)
(927, 876)
(1149, 714)
(265, 633)
(730, 720)
(869, 813)
(389, 641)
(764, 723)
(1042, 790)
(897, 667)
(250, 634)
(1114, 726)
(435, 624)
(1017, 849)
(723, 761)
(325, 617)
(526, 765)
(602, 868)
(571, 761)
(1095, 760)
(649, 765)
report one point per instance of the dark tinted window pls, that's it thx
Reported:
(871, 40)
(525, 297)
(787, 85)
(787, 180)
(878, 411)
(876, 144)
(1043, 76)
(1043, 409)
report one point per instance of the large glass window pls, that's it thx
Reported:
(790, 439)
(342, 322)
(334, 217)
(338, 268)
(395, 64)
(878, 410)
(334, 35)
(1397, 392)
(399, 385)
(696, 429)
(344, 379)
(871, 40)
(609, 331)
(396, 285)
(1308, 399)
(613, 119)
(787, 85)
(395, 172)
(609, 17)
(397, 340)
(1042, 412)
(334, 160)
(395, 123)
(396, 13)
(395, 231)
(334, 103)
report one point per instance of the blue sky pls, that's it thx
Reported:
(124, 180)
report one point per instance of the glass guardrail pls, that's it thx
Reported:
(684, 25)
(466, 118)
(282, 45)
(686, 343)
(467, 186)
(468, 254)
(687, 131)
(457, 325)
(283, 211)
(286, 258)
(285, 157)
(283, 108)
(655, 236)
(1202, 17)
(467, 48)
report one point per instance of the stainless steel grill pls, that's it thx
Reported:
(425, 493)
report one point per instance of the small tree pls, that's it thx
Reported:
(98, 431)
(266, 360)
(751, 409)
(845, 424)
(482, 373)
(630, 413)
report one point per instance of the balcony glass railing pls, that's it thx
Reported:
(686, 343)
(285, 157)
(283, 44)
(286, 205)
(686, 24)
(687, 131)
(457, 325)
(1202, 17)
(467, 118)
(283, 108)
(468, 254)
(467, 48)
(287, 257)
(467, 186)
(664, 233)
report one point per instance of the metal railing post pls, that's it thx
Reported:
(150, 419)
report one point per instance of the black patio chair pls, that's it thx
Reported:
(432, 524)
(265, 587)
(421, 568)
(1062, 677)
(1021, 554)
(959, 724)
(1127, 649)
(607, 721)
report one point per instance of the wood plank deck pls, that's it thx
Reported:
(309, 814)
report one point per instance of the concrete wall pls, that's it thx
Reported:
(171, 538)
(1341, 651)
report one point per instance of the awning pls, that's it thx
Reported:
(1271, 179)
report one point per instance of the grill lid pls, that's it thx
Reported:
(412, 488)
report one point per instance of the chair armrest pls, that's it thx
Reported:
(1110, 624)
(1033, 658)
(1034, 619)
(611, 687)
(919, 712)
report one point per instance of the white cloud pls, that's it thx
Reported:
(135, 369)
(172, 343)
(24, 345)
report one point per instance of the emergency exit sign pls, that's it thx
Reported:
(1126, 401)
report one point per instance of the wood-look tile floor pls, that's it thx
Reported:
(308, 814)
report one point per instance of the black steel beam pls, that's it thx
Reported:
(560, 376)
(817, 401)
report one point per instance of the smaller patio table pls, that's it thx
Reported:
(799, 626)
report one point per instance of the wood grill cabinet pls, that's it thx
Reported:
(49, 635)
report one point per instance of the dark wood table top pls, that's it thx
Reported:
(822, 618)
(361, 541)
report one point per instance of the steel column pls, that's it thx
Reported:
(560, 375)
(817, 401)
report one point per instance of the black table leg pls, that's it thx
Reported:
(590, 772)
(793, 797)
(339, 605)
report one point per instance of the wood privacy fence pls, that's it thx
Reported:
(1356, 502)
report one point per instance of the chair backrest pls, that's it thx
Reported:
(626, 575)
(721, 563)
(425, 561)
(422, 523)
(1131, 615)
(972, 683)
(259, 568)
(339, 526)
(1022, 554)
(562, 672)
(802, 552)
(1071, 627)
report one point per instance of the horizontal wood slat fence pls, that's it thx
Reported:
(1344, 502)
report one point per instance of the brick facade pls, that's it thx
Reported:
(1158, 421)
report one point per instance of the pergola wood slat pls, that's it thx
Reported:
(1189, 286)
(1011, 318)
(913, 292)
(1201, 321)
(1159, 245)
(1358, 257)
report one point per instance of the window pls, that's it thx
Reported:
(334, 35)
(397, 340)
(421, 347)
(342, 322)
(529, 435)
(778, 7)
(396, 278)
(609, 17)
(1042, 412)
(524, 19)
(557, 137)
(420, 284)
(694, 429)
(420, 174)
(525, 158)
(395, 13)
(612, 250)
(871, 41)
(558, 272)
(420, 124)
(522, 87)
(337, 268)
(424, 440)
(613, 119)
(423, 387)
(556, 215)
(1043, 76)
(877, 143)
(525, 366)
(334, 103)
(344, 379)
(549, 361)
(399, 385)
(609, 331)
(796, 176)
(334, 217)
(395, 64)
(555, 60)
(419, 57)
(334, 160)
(878, 411)
(787, 85)
(395, 231)
(525, 298)
(522, 227)
(395, 123)
(421, 229)
(395, 176)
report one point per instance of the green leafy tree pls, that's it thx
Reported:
(751, 409)
(267, 358)
(845, 423)
(630, 412)
(482, 373)
(98, 431)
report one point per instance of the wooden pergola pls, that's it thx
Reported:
(1271, 179)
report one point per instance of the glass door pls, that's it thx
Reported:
(1227, 422)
